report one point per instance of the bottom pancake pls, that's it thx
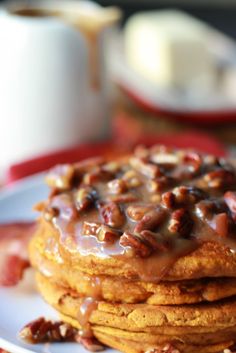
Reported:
(136, 328)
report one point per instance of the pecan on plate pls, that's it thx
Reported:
(180, 222)
(42, 330)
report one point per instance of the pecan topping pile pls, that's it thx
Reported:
(42, 330)
(143, 204)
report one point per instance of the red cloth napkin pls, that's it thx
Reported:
(122, 146)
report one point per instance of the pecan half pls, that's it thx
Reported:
(230, 200)
(138, 246)
(150, 220)
(168, 200)
(61, 177)
(180, 222)
(84, 197)
(111, 214)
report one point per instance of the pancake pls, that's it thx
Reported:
(185, 327)
(112, 289)
(141, 251)
(209, 260)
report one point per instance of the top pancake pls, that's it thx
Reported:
(158, 215)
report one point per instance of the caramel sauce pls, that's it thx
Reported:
(70, 224)
(88, 305)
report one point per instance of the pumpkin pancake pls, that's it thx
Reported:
(111, 289)
(141, 251)
(185, 327)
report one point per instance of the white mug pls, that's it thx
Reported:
(47, 97)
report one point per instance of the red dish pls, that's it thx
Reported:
(109, 149)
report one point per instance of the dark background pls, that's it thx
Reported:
(219, 13)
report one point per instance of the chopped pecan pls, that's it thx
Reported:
(188, 195)
(65, 205)
(205, 209)
(155, 240)
(131, 179)
(61, 177)
(42, 330)
(194, 160)
(168, 199)
(138, 246)
(220, 224)
(166, 159)
(90, 228)
(137, 212)
(117, 186)
(230, 200)
(155, 198)
(111, 167)
(90, 343)
(122, 198)
(159, 184)
(180, 222)
(141, 152)
(151, 171)
(84, 197)
(219, 178)
(150, 220)
(97, 175)
(111, 214)
(107, 234)
(50, 213)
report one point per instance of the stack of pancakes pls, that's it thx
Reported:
(140, 252)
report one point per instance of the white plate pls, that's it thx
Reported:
(21, 304)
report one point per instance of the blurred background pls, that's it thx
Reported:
(80, 78)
